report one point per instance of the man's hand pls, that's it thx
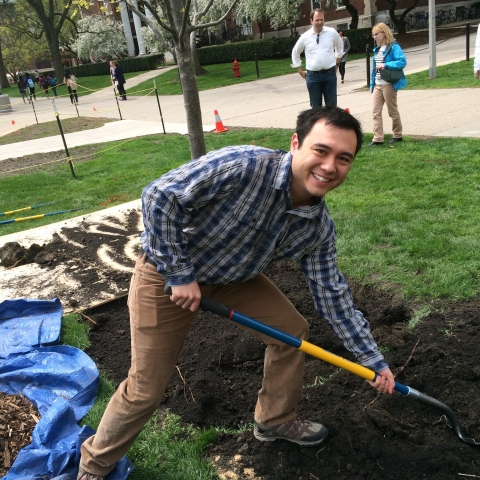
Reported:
(302, 73)
(187, 296)
(385, 383)
(477, 74)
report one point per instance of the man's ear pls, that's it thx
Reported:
(294, 143)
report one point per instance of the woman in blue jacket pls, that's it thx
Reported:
(387, 54)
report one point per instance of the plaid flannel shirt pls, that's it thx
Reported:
(224, 217)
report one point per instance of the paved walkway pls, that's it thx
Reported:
(268, 103)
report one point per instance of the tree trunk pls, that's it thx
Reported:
(51, 36)
(192, 100)
(199, 70)
(52, 22)
(3, 72)
(354, 14)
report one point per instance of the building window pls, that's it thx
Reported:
(339, 4)
(342, 26)
(246, 25)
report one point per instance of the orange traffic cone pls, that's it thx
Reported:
(13, 122)
(219, 128)
(347, 110)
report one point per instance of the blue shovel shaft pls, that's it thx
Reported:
(307, 347)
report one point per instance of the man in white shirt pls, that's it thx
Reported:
(323, 51)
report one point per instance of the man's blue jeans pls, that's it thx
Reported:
(322, 84)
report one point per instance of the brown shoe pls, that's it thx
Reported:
(297, 430)
(83, 475)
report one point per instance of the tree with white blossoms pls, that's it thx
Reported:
(181, 19)
(99, 39)
(278, 12)
(255, 9)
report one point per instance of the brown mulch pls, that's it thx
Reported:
(420, 38)
(18, 417)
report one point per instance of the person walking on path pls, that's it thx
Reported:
(53, 83)
(71, 82)
(386, 55)
(476, 61)
(44, 83)
(119, 80)
(31, 86)
(323, 49)
(343, 60)
(211, 226)
(22, 88)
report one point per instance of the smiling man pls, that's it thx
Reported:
(212, 226)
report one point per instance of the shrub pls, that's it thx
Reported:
(245, 51)
(359, 39)
(137, 64)
(270, 48)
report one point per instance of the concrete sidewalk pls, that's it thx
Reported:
(268, 103)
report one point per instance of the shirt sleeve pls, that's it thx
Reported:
(167, 204)
(297, 50)
(347, 44)
(334, 302)
(338, 45)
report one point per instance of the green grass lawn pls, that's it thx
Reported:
(454, 75)
(399, 221)
(220, 75)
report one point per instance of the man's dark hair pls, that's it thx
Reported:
(334, 116)
(316, 10)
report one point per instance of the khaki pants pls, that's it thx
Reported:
(385, 94)
(158, 330)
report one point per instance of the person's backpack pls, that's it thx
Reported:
(53, 82)
(30, 83)
(45, 82)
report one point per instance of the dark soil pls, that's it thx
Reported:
(371, 436)
(420, 38)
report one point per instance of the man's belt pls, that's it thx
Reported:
(142, 252)
(328, 70)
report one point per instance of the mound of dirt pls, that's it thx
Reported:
(372, 437)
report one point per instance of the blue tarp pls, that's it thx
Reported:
(61, 381)
(28, 323)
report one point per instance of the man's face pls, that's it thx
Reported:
(317, 22)
(322, 162)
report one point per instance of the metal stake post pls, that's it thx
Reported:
(63, 138)
(118, 105)
(34, 111)
(256, 65)
(468, 41)
(158, 103)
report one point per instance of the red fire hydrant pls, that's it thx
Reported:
(236, 68)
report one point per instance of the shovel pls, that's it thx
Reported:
(363, 372)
